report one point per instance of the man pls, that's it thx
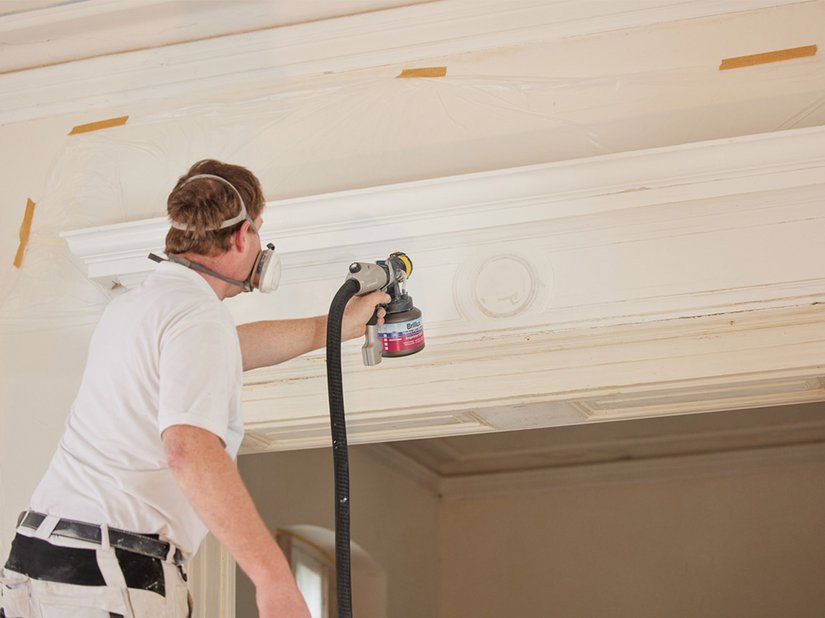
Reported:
(146, 464)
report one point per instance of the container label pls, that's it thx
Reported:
(401, 336)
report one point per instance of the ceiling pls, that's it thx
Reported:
(618, 441)
(47, 32)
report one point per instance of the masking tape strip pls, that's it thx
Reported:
(100, 124)
(774, 56)
(25, 231)
(423, 72)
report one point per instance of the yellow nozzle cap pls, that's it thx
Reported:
(405, 261)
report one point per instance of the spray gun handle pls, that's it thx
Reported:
(371, 350)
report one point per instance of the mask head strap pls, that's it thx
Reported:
(241, 216)
(177, 259)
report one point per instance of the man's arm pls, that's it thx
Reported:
(271, 342)
(212, 485)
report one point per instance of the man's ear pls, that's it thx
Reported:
(240, 237)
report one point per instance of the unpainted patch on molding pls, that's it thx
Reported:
(767, 57)
(100, 124)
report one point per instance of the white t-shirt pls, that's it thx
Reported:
(166, 353)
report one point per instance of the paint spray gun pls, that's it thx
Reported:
(402, 333)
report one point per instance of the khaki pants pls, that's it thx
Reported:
(25, 597)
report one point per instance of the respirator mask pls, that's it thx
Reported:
(266, 271)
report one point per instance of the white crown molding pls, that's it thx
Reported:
(656, 470)
(661, 468)
(468, 203)
(501, 383)
(553, 294)
(382, 38)
(611, 442)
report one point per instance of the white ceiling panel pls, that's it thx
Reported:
(45, 32)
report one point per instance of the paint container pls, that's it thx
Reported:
(402, 333)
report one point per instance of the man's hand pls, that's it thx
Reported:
(359, 311)
(273, 603)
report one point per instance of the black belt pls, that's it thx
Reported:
(41, 560)
(121, 539)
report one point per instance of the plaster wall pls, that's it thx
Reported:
(394, 519)
(39, 375)
(40, 362)
(740, 541)
(705, 535)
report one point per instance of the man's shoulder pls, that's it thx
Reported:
(169, 300)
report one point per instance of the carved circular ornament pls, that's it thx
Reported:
(504, 286)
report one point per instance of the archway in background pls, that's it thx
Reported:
(310, 551)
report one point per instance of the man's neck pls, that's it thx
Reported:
(222, 288)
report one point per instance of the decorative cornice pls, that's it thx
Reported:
(673, 280)
(381, 38)
(659, 469)
(310, 226)
(496, 382)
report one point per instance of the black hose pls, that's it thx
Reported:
(335, 387)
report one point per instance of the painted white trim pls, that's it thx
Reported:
(307, 227)
(388, 38)
(675, 438)
(660, 468)
(212, 580)
(601, 352)
(502, 383)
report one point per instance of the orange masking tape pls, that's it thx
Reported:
(100, 124)
(774, 56)
(25, 231)
(422, 72)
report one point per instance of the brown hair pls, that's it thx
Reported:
(203, 204)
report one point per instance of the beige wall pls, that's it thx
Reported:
(747, 542)
(393, 518)
(709, 535)
(45, 318)
(39, 376)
